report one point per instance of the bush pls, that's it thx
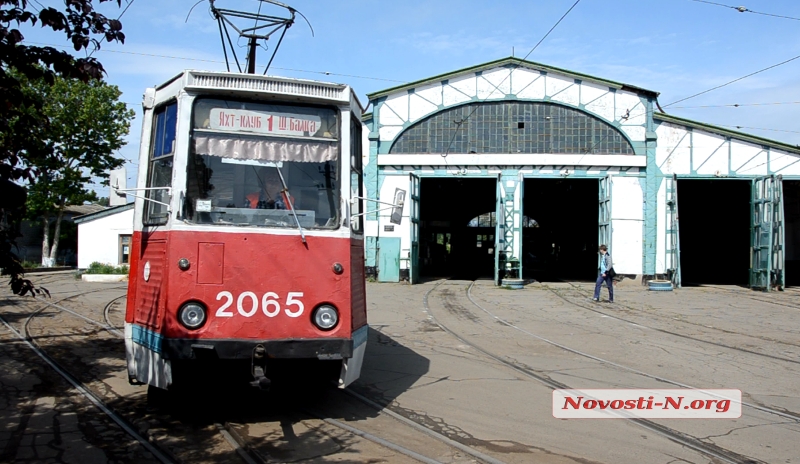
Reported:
(100, 268)
(30, 265)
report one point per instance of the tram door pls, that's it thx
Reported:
(413, 272)
(673, 247)
(767, 234)
(604, 215)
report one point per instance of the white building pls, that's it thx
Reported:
(105, 236)
(514, 167)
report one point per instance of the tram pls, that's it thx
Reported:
(248, 246)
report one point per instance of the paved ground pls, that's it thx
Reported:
(440, 353)
(706, 337)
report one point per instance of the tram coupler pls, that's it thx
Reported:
(259, 368)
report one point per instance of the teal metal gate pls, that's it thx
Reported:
(673, 245)
(499, 239)
(766, 234)
(413, 272)
(604, 215)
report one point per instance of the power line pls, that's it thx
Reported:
(757, 128)
(742, 9)
(153, 55)
(738, 105)
(462, 121)
(118, 18)
(731, 82)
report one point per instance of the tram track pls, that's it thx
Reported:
(750, 297)
(676, 334)
(783, 414)
(249, 455)
(82, 388)
(159, 452)
(689, 441)
(239, 443)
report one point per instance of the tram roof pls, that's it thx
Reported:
(233, 83)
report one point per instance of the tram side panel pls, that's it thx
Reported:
(145, 309)
(351, 368)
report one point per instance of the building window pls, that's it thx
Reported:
(512, 127)
(124, 249)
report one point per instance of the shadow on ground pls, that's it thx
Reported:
(275, 422)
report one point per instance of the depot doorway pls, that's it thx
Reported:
(714, 217)
(451, 244)
(791, 208)
(560, 229)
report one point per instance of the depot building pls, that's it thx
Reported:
(517, 170)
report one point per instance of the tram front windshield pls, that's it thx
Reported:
(251, 163)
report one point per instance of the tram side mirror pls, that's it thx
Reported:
(118, 181)
(397, 210)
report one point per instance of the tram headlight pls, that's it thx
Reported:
(325, 317)
(192, 315)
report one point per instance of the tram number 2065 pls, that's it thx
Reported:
(247, 304)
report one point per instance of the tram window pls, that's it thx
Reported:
(356, 179)
(162, 148)
(241, 154)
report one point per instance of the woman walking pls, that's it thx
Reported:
(606, 274)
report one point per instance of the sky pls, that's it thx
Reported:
(674, 47)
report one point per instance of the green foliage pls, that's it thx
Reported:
(30, 265)
(21, 117)
(100, 268)
(88, 124)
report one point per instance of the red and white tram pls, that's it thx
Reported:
(248, 242)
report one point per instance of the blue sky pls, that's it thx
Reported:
(675, 47)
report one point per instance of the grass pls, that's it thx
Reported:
(100, 268)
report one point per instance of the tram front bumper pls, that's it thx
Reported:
(324, 348)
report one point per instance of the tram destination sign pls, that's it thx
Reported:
(263, 122)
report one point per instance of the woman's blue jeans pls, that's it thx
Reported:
(609, 282)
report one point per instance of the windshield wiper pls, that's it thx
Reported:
(291, 205)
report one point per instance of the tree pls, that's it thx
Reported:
(84, 28)
(87, 125)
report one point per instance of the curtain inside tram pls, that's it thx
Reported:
(265, 149)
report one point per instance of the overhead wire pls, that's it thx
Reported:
(732, 81)
(738, 105)
(757, 128)
(172, 57)
(124, 10)
(497, 87)
(742, 9)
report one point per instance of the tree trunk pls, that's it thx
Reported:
(56, 236)
(46, 242)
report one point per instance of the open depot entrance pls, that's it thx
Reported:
(714, 217)
(560, 229)
(451, 243)
(791, 208)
